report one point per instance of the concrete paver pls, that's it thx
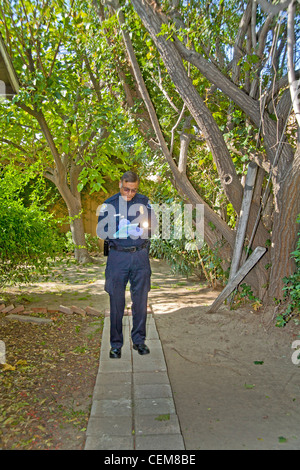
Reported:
(133, 406)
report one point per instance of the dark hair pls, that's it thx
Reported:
(130, 177)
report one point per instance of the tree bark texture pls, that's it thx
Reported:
(285, 228)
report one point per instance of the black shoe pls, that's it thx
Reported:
(115, 353)
(141, 349)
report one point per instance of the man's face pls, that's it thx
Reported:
(128, 190)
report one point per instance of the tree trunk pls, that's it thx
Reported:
(285, 228)
(77, 230)
(72, 198)
(190, 96)
(73, 203)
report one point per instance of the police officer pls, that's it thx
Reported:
(126, 222)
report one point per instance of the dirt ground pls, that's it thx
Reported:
(234, 382)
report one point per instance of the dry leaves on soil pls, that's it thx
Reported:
(47, 383)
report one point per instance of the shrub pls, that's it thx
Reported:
(28, 238)
(186, 261)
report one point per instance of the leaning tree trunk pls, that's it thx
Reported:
(217, 233)
(229, 179)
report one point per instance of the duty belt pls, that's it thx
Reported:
(130, 249)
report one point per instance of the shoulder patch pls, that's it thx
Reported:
(103, 208)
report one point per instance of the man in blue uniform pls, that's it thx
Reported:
(126, 222)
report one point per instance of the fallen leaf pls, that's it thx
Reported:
(6, 367)
(249, 386)
(21, 362)
(165, 417)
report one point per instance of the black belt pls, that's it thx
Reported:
(130, 249)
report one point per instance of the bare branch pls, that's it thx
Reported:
(253, 23)
(93, 78)
(175, 127)
(36, 43)
(238, 53)
(142, 87)
(159, 84)
(17, 146)
(54, 59)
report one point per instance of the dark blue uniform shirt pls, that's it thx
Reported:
(126, 223)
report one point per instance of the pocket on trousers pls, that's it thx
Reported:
(107, 285)
(108, 280)
(144, 262)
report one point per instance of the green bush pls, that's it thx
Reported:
(28, 238)
(184, 260)
(174, 252)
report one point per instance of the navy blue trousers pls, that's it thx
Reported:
(121, 268)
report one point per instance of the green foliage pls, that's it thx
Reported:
(56, 48)
(292, 291)
(181, 254)
(178, 257)
(244, 295)
(92, 243)
(203, 263)
(28, 234)
(184, 260)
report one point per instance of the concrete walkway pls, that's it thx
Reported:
(133, 407)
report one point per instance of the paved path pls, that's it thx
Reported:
(133, 407)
